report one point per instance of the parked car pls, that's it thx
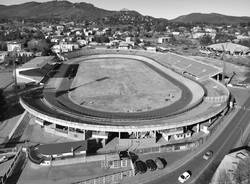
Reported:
(140, 167)
(3, 159)
(151, 165)
(159, 162)
(184, 177)
(208, 155)
(123, 154)
(128, 154)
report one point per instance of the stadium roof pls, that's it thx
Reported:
(228, 46)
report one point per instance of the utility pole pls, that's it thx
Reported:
(14, 53)
(223, 64)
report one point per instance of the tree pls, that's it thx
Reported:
(137, 41)
(245, 42)
(206, 40)
(222, 37)
(242, 172)
(147, 27)
(223, 177)
(3, 46)
(172, 40)
(101, 39)
(38, 45)
(160, 27)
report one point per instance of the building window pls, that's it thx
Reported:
(124, 163)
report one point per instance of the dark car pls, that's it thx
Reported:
(124, 154)
(140, 167)
(160, 163)
(151, 165)
(128, 154)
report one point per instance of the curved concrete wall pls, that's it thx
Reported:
(95, 127)
(218, 99)
(195, 87)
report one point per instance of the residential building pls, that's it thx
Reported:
(164, 39)
(227, 171)
(3, 54)
(14, 46)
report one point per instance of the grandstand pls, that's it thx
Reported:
(208, 99)
(35, 70)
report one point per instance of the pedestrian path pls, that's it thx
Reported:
(18, 130)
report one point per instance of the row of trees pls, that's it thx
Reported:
(245, 42)
(220, 38)
(206, 40)
(17, 34)
(240, 176)
(40, 45)
(101, 39)
(34, 45)
(10, 59)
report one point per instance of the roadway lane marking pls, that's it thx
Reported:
(196, 154)
(220, 148)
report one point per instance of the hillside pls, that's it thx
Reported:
(212, 18)
(73, 11)
(85, 11)
(53, 9)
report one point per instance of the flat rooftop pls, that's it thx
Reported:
(38, 62)
(60, 148)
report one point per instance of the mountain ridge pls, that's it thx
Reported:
(86, 11)
(55, 9)
(212, 18)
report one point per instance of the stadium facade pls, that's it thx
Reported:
(204, 99)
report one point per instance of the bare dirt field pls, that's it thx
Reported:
(121, 85)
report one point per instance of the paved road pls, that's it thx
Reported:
(17, 170)
(201, 169)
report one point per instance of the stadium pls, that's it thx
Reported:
(108, 94)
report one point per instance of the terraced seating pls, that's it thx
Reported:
(201, 112)
(34, 156)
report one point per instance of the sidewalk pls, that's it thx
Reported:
(151, 176)
(245, 137)
(6, 127)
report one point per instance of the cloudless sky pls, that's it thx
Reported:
(166, 8)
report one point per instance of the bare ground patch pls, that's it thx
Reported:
(121, 85)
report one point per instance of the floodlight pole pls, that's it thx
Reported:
(14, 54)
(14, 70)
(223, 71)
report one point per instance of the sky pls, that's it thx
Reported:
(166, 8)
